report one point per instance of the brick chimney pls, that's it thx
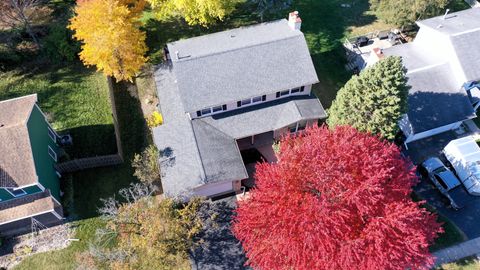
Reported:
(294, 20)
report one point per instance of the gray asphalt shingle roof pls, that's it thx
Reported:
(180, 163)
(228, 66)
(433, 103)
(219, 154)
(438, 65)
(454, 23)
(17, 166)
(222, 68)
(266, 116)
(200, 151)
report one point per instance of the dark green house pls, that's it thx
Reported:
(29, 183)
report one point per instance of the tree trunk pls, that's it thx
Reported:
(30, 32)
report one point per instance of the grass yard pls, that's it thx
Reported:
(65, 258)
(90, 186)
(450, 237)
(469, 263)
(452, 234)
(325, 25)
(75, 100)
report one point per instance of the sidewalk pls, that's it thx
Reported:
(457, 252)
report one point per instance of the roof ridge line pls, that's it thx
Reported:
(198, 152)
(233, 139)
(189, 58)
(466, 32)
(428, 67)
(201, 119)
(288, 102)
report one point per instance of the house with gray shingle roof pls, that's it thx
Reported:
(29, 184)
(440, 62)
(225, 94)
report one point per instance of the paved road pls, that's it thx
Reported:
(467, 219)
(457, 252)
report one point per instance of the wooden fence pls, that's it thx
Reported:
(88, 163)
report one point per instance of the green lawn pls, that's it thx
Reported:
(75, 100)
(451, 236)
(325, 25)
(469, 263)
(73, 96)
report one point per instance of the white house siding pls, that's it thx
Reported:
(269, 97)
(432, 132)
(277, 134)
(214, 189)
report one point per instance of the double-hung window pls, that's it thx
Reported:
(52, 153)
(257, 99)
(285, 93)
(52, 134)
(246, 101)
(16, 192)
(212, 110)
(217, 109)
(295, 90)
(206, 111)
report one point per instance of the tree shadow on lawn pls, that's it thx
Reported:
(325, 25)
(91, 186)
(90, 141)
(159, 33)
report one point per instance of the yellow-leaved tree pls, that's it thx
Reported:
(110, 36)
(203, 12)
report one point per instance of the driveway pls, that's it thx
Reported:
(420, 150)
(466, 219)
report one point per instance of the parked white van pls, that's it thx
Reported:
(464, 155)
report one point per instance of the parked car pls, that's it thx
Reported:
(445, 181)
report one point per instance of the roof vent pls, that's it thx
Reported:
(2, 125)
(177, 55)
(446, 13)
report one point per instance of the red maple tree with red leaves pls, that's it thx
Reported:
(336, 199)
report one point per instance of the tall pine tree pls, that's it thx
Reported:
(373, 101)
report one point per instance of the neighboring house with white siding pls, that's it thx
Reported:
(443, 69)
(228, 92)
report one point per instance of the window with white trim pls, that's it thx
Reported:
(295, 90)
(52, 153)
(251, 101)
(246, 101)
(284, 93)
(18, 192)
(256, 99)
(290, 92)
(212, 110)
(52, 135)
(206, 111)
(217, 109)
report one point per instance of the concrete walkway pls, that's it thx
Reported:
(457, 252)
